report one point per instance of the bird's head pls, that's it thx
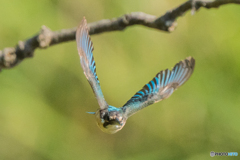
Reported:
(110, 120)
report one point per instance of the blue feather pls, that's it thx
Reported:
(85, 48)
(161, 86)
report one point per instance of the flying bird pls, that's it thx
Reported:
(111, 119)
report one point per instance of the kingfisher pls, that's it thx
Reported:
(111, 119)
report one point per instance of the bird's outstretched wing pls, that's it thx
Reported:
(160, 87)
(85, 48)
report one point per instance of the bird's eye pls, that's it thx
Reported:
(110, 124)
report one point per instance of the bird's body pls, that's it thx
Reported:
(111, 119)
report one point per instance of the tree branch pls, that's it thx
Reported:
(10, 57)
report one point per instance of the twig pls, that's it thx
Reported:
(10, 57)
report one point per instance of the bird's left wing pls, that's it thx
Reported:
(85, 48)
(160, 87)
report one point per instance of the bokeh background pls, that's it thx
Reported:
(44, 100)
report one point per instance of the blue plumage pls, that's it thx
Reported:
(85, 48)
(111, 119)
(160, 87)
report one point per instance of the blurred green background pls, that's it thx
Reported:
(44, 100)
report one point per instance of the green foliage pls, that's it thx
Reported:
(44, 100)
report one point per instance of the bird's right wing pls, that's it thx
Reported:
(85, 48)
(160, 87)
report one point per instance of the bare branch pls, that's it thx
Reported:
(10, 57)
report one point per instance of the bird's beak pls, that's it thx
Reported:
(91, 112)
